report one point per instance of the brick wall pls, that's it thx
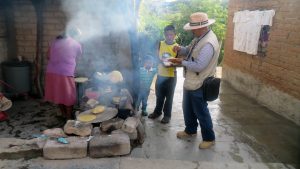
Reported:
(280, 68)
(3, 47)
(25, 23)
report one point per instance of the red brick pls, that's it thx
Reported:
(26, 43)
(279, 33)
(49, 27)
(60, 14)
(292, 48)
(51, 21)
(60, 26)
(22, 19)
(48, 14)
(29, 37)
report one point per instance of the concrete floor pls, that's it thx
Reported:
(246, 133)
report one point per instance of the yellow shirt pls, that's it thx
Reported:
(166, 51)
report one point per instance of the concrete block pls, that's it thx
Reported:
(11, 148)
(109, 145)
(77, 148)
(112, 124)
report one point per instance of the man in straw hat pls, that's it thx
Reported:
(200, 62)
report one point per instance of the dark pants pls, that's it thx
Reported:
(164, 89)
(143, 97)
(195, 108)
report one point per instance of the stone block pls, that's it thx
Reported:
(77, 148)
(78, 128)
(109, 145)
(112, 124)
(130, 124)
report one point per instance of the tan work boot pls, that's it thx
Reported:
(206, 144)
(183, 135)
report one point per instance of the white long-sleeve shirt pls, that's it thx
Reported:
(201, 62)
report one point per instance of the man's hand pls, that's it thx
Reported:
(176, 49)
(177, 61)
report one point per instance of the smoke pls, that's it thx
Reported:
(104, 27)
(105, 37)
(97, 18)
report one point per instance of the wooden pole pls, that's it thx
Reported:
(38, 61)
(10, 29)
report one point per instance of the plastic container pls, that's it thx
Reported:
(17, 75)
(92, 94)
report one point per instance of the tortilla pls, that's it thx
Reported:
(81, 79)
(116, 100)
(98, 109)
(86, 117)
(92, 102)
(115, 76)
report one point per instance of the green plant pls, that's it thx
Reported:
(154, 17)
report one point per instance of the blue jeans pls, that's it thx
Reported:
(143, 97)
(195, 108)
(164, 90)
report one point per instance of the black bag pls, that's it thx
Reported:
(211, 87)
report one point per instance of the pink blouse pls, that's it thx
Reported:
(62, 56)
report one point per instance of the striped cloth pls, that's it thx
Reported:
(146, 77)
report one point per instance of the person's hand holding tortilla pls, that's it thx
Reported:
(176, 61)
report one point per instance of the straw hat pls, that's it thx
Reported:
(198, 20)
(115, 76)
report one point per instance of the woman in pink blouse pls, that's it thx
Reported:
(60, 85)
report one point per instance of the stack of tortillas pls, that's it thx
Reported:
(86, 117)
(98, 114)
(98, 109)
(81, 79)
(116, 99)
